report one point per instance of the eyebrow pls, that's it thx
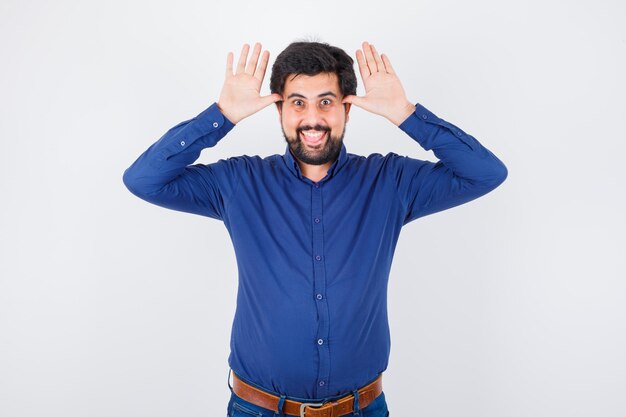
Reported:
(328, 93)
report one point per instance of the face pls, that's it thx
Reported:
(312, 117)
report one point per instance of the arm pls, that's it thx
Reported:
(466, 170)
(162, 175)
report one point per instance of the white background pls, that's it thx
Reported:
(511, 305)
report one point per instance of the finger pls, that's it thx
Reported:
(379, 62)
(229, 64)
(363, 68)
(369, 58)
(260, 70)
(387, 63)
(242, 59)
(253, 59)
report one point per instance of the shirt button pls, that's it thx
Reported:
(318, 257)
(317, 220)
(424, 116)
(215, 124)
(318, 296)
(321, 383)
(317, 186)
(182, 143)
(320, 342)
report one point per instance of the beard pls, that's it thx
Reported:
(331, 147)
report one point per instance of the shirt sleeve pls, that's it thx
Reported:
(162, 175)
(465, 171)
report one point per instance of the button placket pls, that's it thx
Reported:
(319, 288)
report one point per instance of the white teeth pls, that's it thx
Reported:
(313, 136)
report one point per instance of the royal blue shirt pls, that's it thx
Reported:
(313, 257)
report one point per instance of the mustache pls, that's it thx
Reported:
(316, 127)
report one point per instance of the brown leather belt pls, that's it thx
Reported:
(334, 408)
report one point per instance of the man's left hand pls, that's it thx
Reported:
(384, 94)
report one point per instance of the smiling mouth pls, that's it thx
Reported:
(313, 137)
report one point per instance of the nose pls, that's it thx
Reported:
(312, 116)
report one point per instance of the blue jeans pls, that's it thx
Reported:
(238, 407)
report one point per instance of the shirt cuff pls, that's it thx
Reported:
(212, 117)
(422, 125)
(203, 131)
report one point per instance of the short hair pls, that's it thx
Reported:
(312, 58)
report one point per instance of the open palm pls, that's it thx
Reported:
(240, 96)
(384, 94)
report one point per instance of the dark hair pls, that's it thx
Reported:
(312, 58)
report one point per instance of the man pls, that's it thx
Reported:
(314, 230)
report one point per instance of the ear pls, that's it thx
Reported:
(279, 107)
(348, 106)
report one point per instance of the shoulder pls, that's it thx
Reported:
(375, 159)
(248, 160)
(246, 163)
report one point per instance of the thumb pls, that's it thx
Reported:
(271, 98)
(353, 100)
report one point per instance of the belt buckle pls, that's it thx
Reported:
(304, 405)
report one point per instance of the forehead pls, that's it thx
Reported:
(312, 85)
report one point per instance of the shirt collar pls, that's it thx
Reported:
(292, 163)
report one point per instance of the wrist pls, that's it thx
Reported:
(227, 114)
(402, 113)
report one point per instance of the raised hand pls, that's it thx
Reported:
(384, 94)
(240, 96)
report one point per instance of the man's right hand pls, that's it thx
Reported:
(240, 96)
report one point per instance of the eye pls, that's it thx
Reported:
(297, 102)
(326, 102)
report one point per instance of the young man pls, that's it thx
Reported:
(314, 229)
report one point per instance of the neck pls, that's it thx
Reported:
(314, 172)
